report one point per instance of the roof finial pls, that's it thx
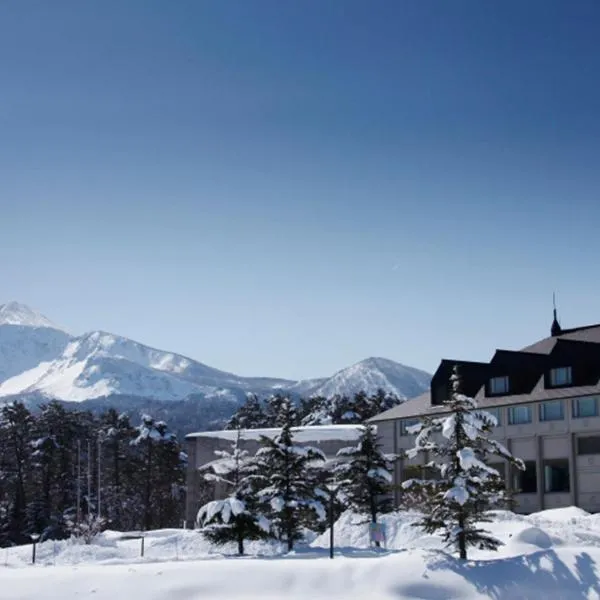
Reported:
(556, 328)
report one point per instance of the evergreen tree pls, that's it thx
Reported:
(55, 432)
(16, 424)
(120, 465)
(50, 459)
(365, 475)
(286, 478)
(168, 488)
(379, 402)
(315, 410)
(250, 415)
(279, 409)
(161, 472)
(467, 488)
(235, 518)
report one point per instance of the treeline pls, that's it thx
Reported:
(59, 468)
(338, 410)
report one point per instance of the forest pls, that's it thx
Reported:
(61, 468)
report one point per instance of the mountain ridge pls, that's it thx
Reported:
(38, 359)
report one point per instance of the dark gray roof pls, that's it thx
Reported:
(410, 408)
(421, 405)
(590, 333)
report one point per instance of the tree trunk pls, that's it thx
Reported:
(147, 514)
(117, 484)
(462, 541)
(374, 516)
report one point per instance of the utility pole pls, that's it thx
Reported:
(99, 472)
(78, 482)
(89, 476)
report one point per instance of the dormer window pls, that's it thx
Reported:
(499, 385)
(561, 376)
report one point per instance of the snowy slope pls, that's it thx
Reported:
(23, 348)
(27, 338)
(373, 373)
(100, 364)
(15, 313)
(39, 359)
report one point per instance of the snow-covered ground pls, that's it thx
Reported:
(554, 553)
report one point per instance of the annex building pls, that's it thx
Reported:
(201, 449)
(546, 398)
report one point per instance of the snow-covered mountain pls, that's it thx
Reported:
(38, 359)
(374, 373)
(27, 339)
(15, 313)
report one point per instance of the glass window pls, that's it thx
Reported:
(500, 467)
(405, 423)
(441, 394)
(518, 415)
(560, 376)
(556, 475)
(552, 411)
(588, 444)
(412, 472)
(495, 412)
(585, 407)
(525, 482)
(499, 385)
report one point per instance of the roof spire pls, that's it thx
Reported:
(555, 330)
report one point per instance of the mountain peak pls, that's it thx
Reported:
(375, 373)
(16, 313)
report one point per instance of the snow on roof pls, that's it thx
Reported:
(314, 433)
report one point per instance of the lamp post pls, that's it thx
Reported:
(34, 538)
(332, 488)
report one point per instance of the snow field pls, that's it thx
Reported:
(554, 553)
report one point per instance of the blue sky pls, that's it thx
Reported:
(284, 188)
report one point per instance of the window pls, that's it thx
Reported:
(552, 411)
(585, 407)
(405, 424)
(561, 376)
(519, 415)
(500, 467)
(419, 472)
(440, 394)
(495, 412)
(525, 482)
(499, 385)
(556, 475)
(412, 472)
(588, 445)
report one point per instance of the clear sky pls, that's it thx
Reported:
(279, 187)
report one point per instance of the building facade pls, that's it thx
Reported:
(201, 451)
(546, 398)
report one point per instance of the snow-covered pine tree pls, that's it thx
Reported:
(235, 518)
(250, 415)
(467, 488)
(315, 410)
(120, 466)
(381, 401)
(365, 475)
(286, 478)
(161, 471)
(276, 411)
(16, 424)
